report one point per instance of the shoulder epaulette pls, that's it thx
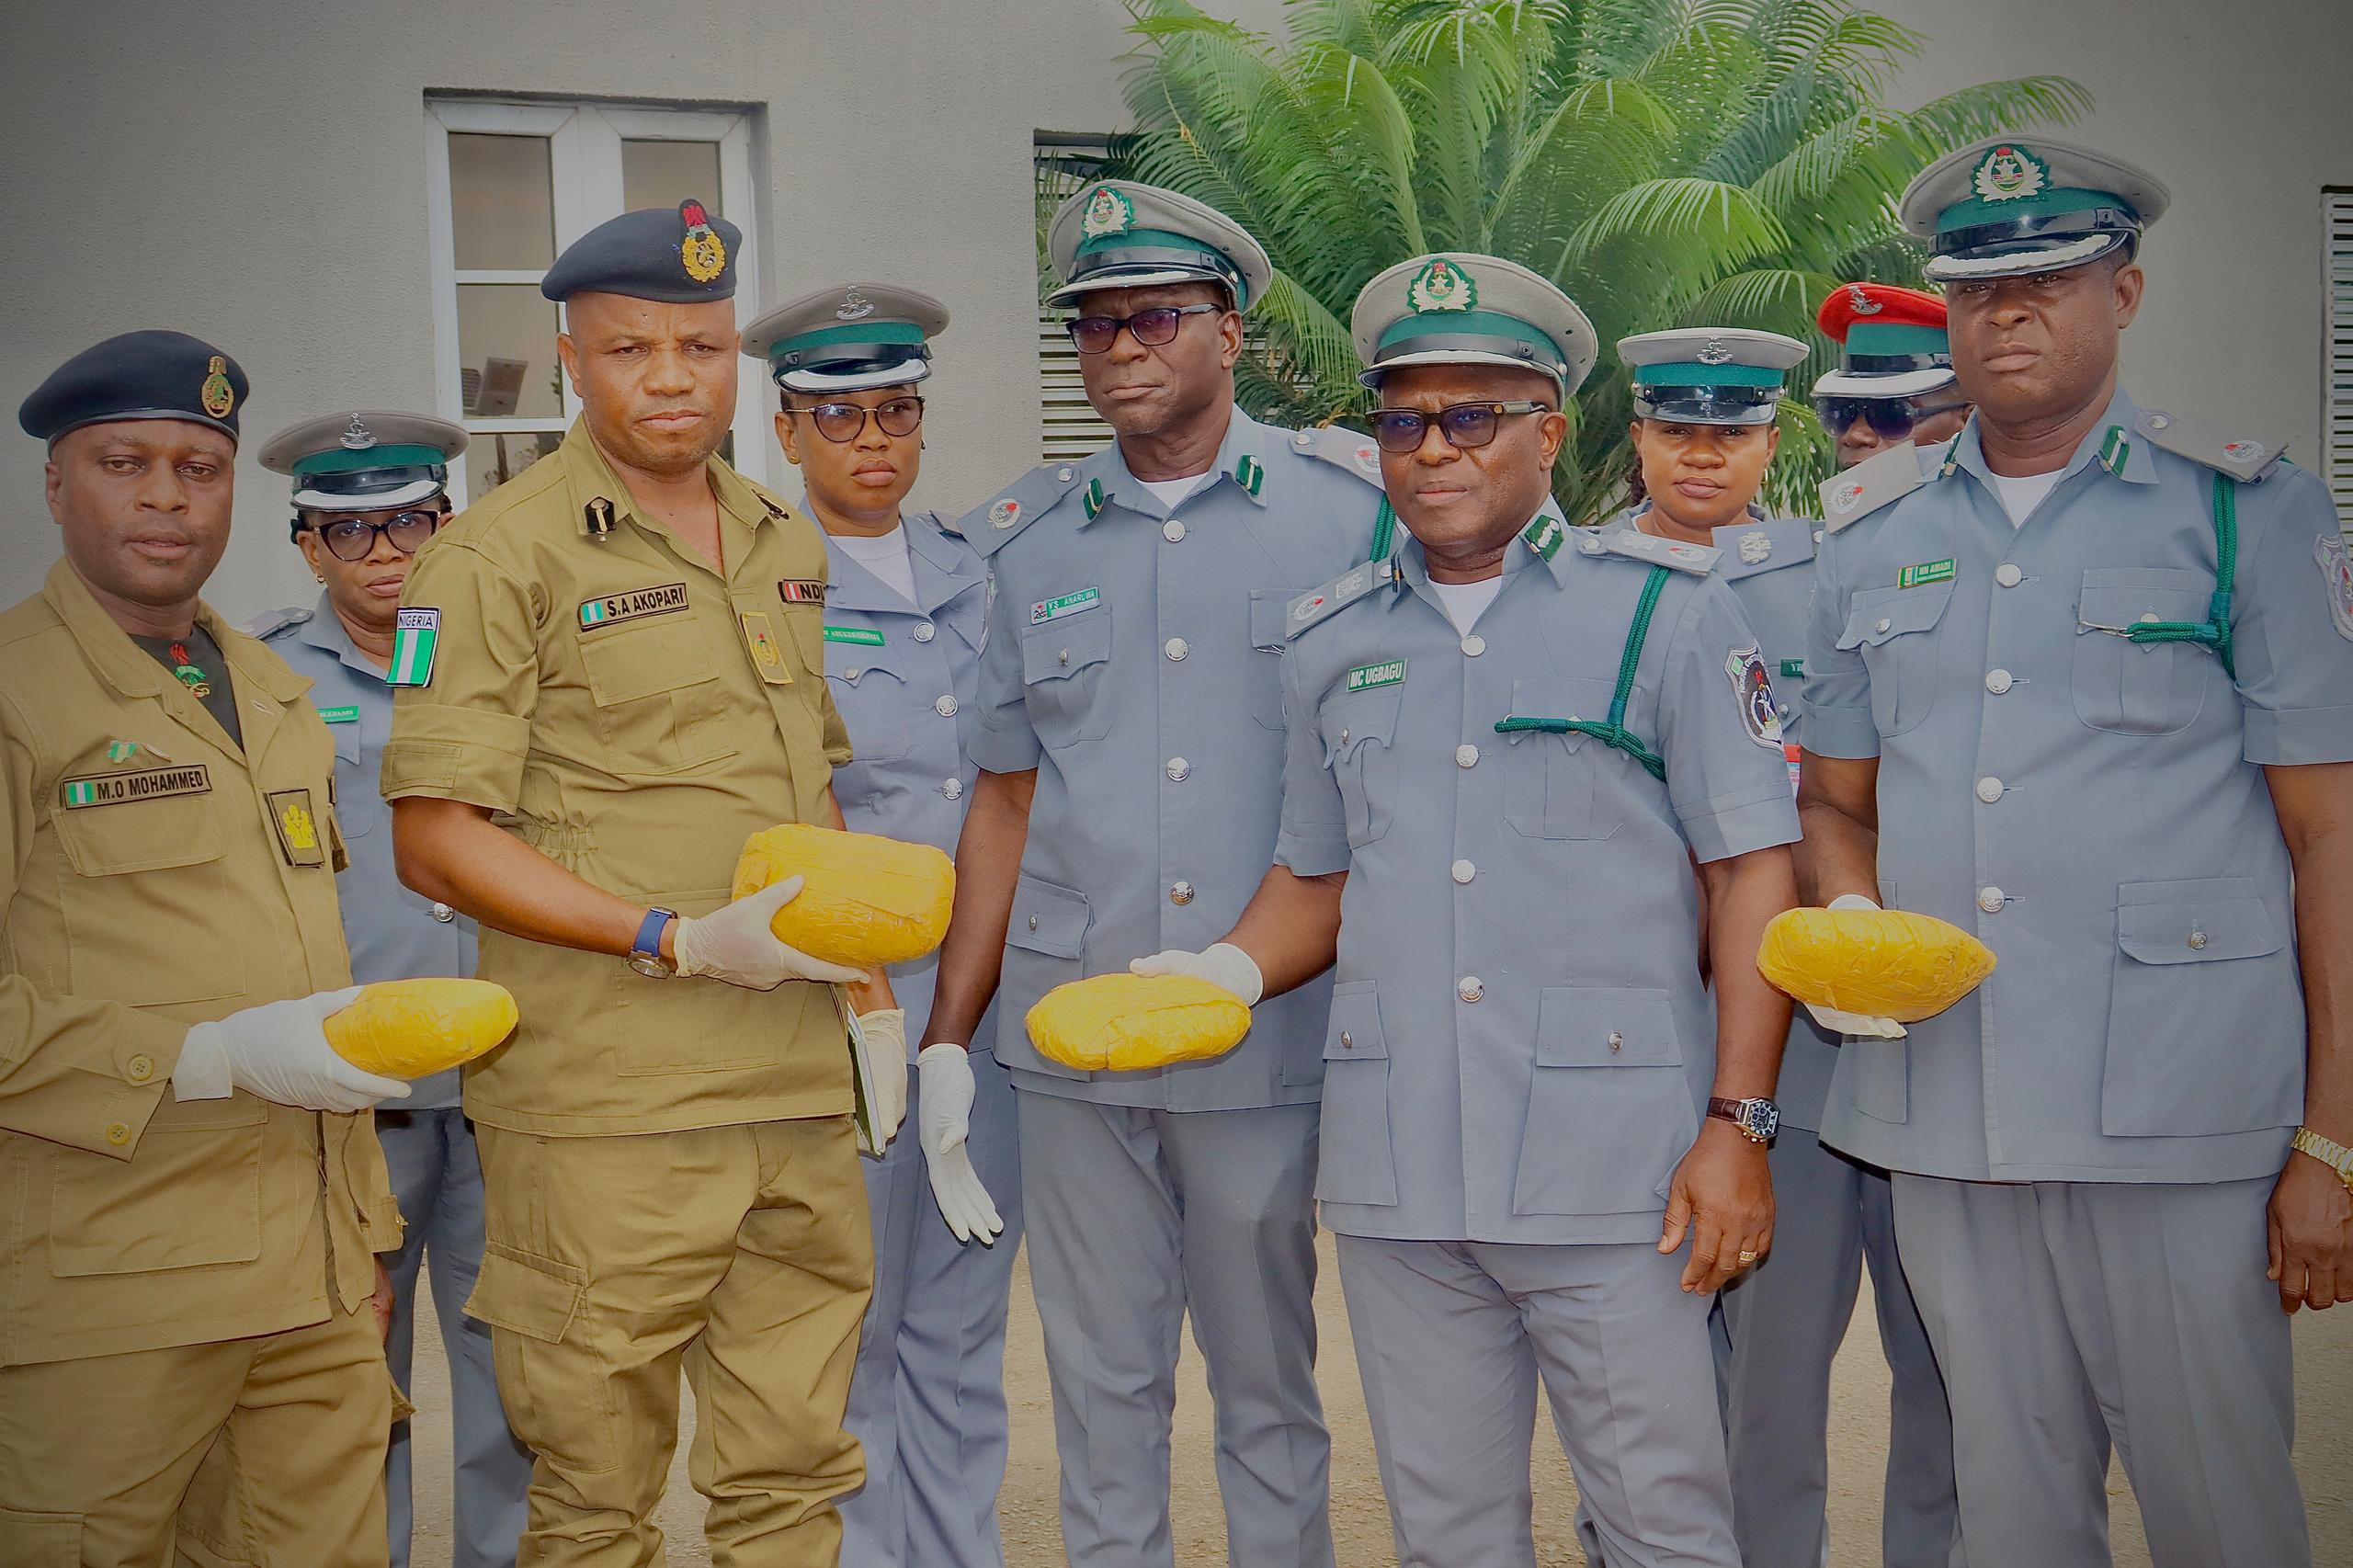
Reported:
(268, 626)
(1697, 559)
(1350, 450)
(1871, 484)
(2216, 445)
(988, 526)
(1319, 605)
(1753, 547)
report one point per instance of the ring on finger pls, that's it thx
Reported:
(1747, 1257)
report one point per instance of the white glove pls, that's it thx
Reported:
(885, 1030)
(1221, 964)
(280, 1051)
(733, 943)
(1860, 1024)
(964, 1203)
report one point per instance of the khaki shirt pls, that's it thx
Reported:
(633, 715)
(153, 875)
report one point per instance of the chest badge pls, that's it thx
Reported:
(767, 653)
(297, 828)
(635, 605)
(1069, 604)
(1371, 677)
(1921, 573)
(1759, 714)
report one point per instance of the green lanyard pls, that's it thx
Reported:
(1384, 530)
(1613, 731)
(2214, 631)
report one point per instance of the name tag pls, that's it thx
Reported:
(1069, 604)
(1924, 573)
(1366, 677)
(635, 605)
(147, 784)
(862, 636)
(802, 591)
(340, 715)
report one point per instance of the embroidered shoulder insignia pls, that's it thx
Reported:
(1697, 559)
(1319, 605)
(1868, 485)
(2244, 458)
(987, 526)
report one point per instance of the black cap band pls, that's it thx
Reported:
(2043, 232)
(1893, 364)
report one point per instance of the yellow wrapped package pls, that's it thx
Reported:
(1126, 1021)
(1887, 963)
(864, 900)
(408, 1029)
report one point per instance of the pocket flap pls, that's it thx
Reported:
(853, 665)
(1269, 622)
(1351, 722)
(1354, 1033)
(1060, 649)
(157, 834)
(534, 1296)
(1047, 919)
(2195, 922)
(41, 1540)
(1880, 615)
(635, 661)
(2116, 599)
(1595, 1026)
(1559, 697)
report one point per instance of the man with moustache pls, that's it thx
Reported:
(2080, 689)
(1505, 750)
(1129, 741)
(609, 674)
(370, 488)
(1894, 381)
(193, 1185)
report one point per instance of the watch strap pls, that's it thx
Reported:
(1724, 1109)
(648, 942)
(2328, 1151)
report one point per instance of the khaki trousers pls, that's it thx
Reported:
(274, 1444)
(738, 1255)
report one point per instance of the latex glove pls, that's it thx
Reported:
(1862, 1024)
(733, 943)
(280, 1051)
(885, 1029)
(1221, 964)
(964, 1203)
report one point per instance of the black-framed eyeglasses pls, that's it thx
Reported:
(843, 423)
(354, 539)
(1095, 335)
(1890, 419)
(1465, 424)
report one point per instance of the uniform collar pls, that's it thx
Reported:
(325, 631)
(1245, 437)
(1414, 564)
(590, 480)
(942, 573)
(127, 668)
(2135, 463)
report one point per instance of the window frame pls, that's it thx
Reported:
(2337, 349)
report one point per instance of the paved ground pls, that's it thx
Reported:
(1360, 1521)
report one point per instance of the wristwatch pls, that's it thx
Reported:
(2328, 1151)
(645, 953)
(1757, 1120)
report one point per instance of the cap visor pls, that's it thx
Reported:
(905, 372)
(400, 495)
(1904, 383)
(1372, 378)
(2018, 264)
(1144, 278)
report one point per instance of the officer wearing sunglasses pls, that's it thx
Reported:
(370, 488)
(1894, 380)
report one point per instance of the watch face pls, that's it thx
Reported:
(1760, 1118)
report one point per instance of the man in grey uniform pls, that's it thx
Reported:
(2081, 689)
(1506, 752)
(1131, 742)
(369, 488)
(1704, 402)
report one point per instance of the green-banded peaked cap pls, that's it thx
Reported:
(363, 461)
(1116, 233)
(2007, 206)
(1460, 307)
(848, 337)
(1709, 375)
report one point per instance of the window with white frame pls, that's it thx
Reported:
(510, 186)
(2337, 371)
(1070, 429)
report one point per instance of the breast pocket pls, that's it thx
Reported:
(1359, 744)
(144, 904)
(660, 707)
(1609, 1112)
(2205, 1029)
(2140, 688)
(1065, 669)
(1549, 781)
(1355, 1159)
(1894, 628)
(1268, 609)
(873, 696)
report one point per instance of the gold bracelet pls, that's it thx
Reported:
(2328, 1152)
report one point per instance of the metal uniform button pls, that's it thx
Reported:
(1997, 681)
(1172, 530)
(1180, 892)
(1470, 988)
(1464, 870)
(851, 675)
(1064, 474)
(952, 788)
(923, 631)
(1989, 789)
(1033, 923)
(1474, 645)
(1302, 440)
(1065, 656)
(2198, 938)
(1466, 756)
(1617, 1040)
(945, 708)
(1884, 624)
(1176, 648)
(2008, 575)
(117, 1133)
(139, 1069)
(2148, 618)
(1348, 1040)
(443, 913)
(1180, 770)
(1991, 899)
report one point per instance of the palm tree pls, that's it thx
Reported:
(1665, 162)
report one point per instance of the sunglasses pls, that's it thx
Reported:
(1465, 424)
(1095, 335)
(353, 539)
(842, 422)
(1890, 419)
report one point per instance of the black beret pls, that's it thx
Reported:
(140, 375)
(680, 255)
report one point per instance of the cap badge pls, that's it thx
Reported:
(1864, 304)
(1441, 286)
(2009, 174)
(1756, 547)
(217, 395)
(855, 306)
(1714, 353)
(1108, 212)
(701, 251)
(356, 437)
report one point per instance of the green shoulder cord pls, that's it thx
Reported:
(1384, 530)
(1613, 731)
(2214, 631)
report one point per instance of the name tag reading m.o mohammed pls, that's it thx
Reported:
(147, 784)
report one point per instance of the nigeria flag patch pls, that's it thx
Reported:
(413, 636)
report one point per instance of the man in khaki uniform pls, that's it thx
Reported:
(610, 673)
(186, 1237)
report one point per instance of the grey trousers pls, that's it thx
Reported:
(1452, 1339)
(2071, 1315)
(927, 1397)
(436, 1175)
(1135, 1218)
(1786, 1317)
